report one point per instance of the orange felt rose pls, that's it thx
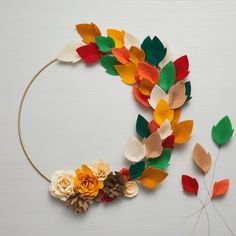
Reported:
(86, 182)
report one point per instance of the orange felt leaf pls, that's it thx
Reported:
(176, 117)
(152, 177)
(147, 71)
(201, 158)
(182, 131)
(136, 55)
(140, 97)
(127, 72)
(121, 54)
(88, 32)
(146, 86)
(220, 188)
(117, 36)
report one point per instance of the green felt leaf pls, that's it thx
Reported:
(161, 162)
(108, 63)
(136, 170)
(105, 44)
(142, 127)
(154, 50)
(222, 131)
(188, 90)
(167, 76)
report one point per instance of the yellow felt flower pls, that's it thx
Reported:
(86, 182)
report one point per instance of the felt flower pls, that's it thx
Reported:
(62, 184)
(86, 182)
(100, 169)
(131, 189)
(125, 173)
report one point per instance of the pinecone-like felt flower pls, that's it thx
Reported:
(79, 202)
(114, 185)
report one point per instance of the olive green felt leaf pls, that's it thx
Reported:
(161, 162)
(142, 127)
(222, 131)
(154, 50)
(105, 44)
(136, 170)
(109, 62)
(167, 76)
(188, 90)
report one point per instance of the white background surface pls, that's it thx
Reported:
(76, 114)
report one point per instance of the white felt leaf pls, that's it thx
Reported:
(168, 57)
(130, 41)
(69, 54)
(165, 129)
(156, 95)
(134, 150)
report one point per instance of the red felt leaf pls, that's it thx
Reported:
(220, 188)
(89, 53)
(181, 67)
(140, 97)
(169, 142)
(153, 126)
(190, 185)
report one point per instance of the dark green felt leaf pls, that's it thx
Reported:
(188, 90)
(167, 76)
(105, 44)
(154, 50)
(142, 127)
(136, 170)
(161, 162)
(108, 63)
(222, 131)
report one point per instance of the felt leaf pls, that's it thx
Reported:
(143, 100)
(109, 62)
(182, 131)
(152, 177)
(190, 185)
(127, 72)
(69, 54)
(134, 150)
(167, 76)
(89, 53)
(136, 55)
(168, 57)
(105, 44)
(165, 129)
(188, 90)
(162, 162)
(88, 32)
(169, 142)
(147, 71)
(136, 170)
(222, 131)
(163, 112)
(177, 95)
(154, 50)
(121, 54)
(146, 86)
(177, 113)
(130, 40)
(156, 95)
(153, 145)
(220, 188)
(142, 127)
(153, 126)
(118, 37)
(181, 67)
(201, 158)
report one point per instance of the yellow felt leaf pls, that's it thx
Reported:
(146, 86)
(88, 32)
(163, 112)
(136, 55)
(117, 36)
(176, 117)
(152, 177)
(182, 131)
(127, 72)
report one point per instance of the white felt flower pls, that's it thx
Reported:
(131, 189)
(100, 169)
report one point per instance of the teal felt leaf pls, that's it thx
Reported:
(108, 62)
(154, 50)
(136, 170)
(161, 162)
(222, 131)
(167, 76)
(188, 90)
(142, 127)
(105, 44)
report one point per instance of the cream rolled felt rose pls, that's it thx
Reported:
(100, 169)
(131, 189)
(62, 184)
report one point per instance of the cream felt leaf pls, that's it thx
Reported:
(69, 54)
(177, 95)
(134, 150)
(165, 129)
(130, 41)
(156, 95)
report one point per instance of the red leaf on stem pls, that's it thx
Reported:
(190, 185)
